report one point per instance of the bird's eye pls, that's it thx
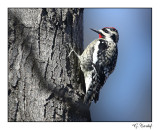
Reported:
(105, 30)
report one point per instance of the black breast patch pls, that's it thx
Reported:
(102, 45)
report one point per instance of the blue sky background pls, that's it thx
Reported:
(127, 94)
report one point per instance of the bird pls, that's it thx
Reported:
(98, 61)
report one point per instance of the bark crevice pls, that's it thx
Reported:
(54, 38)
(15, 117)
(45, 73)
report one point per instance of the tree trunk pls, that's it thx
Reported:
(44, 84)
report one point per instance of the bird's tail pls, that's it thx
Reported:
(98, 79)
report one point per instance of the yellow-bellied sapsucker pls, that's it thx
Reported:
(98, 61)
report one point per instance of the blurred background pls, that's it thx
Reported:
(127, 94)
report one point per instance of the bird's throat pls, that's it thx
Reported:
(100, 36)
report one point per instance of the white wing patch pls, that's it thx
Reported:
(88, 80)
(95, 57)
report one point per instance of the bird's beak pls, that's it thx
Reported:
(96, 31)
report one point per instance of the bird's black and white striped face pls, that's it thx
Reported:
(108, 33)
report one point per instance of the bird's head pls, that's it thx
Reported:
(108, 33)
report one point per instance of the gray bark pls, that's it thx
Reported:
(44, 84)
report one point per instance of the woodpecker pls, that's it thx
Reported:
(98, 61)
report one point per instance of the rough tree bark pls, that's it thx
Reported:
(43, 83)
